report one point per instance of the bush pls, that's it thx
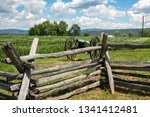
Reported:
(86, 34)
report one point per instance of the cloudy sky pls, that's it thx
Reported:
(105, 14)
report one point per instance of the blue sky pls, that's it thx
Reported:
(104, 14)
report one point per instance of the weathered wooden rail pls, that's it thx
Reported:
(63, 81)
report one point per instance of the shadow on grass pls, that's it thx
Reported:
(124, 90)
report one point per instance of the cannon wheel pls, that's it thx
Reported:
(96, 53)
(71, 44)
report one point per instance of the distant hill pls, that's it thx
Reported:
(95, 31)
(13, 31)
(91, 31)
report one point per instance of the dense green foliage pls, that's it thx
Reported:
(130, 34)
(74, 30)
(117, 34)
(49, 28)
(146, 33)
(86, 34)
(54, 29)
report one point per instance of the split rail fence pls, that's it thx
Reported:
(63, 81)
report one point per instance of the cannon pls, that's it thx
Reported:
(73, 43)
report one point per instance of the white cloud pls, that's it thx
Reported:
(24, 15)
(87, 13)
(29, 14)
(33, 6)
(8, 6)
(138, 10)
(117, 25)
(109, 12)
(7, 23)
(142, 6)
(61, 9)
(84, 21)
(89, 22)
(88, 3)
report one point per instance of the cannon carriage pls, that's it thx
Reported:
(73, 43)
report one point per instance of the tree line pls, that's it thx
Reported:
(55, 29)
(146, 33)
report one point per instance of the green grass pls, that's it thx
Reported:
(47, 44)
(133, 40)
(131, 55)
(101, 94)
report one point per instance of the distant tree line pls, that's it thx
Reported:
(118, 34)
(146, 33)
(54, 29)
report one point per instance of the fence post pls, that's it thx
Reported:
(104, 45)
(27, 74)
(104, 54)
(14, 57)
(109, 72)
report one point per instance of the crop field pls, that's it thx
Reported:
(50, 44)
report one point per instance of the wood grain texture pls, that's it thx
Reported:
(13, 56)
(27, 74)
(63, 74)
(55, 55)
(24, 85)
(109, 72)
(104, 45)
(75, 84)
(63, 67)
(65, 82)
(75, 92)
(143, 64)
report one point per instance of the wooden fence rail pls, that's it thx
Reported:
(53, 55)
(76, 51)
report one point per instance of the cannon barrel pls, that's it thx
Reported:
(82, 43)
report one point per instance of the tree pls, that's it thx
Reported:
(74, 30)
(62, 30)
(54, 29)
(40, 29)
(32, 31)
(146, 33)
(130, 34)
(49, 28)
(117, 34)
(86, 34)
(46, 28)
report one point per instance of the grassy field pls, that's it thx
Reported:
(50, 44)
